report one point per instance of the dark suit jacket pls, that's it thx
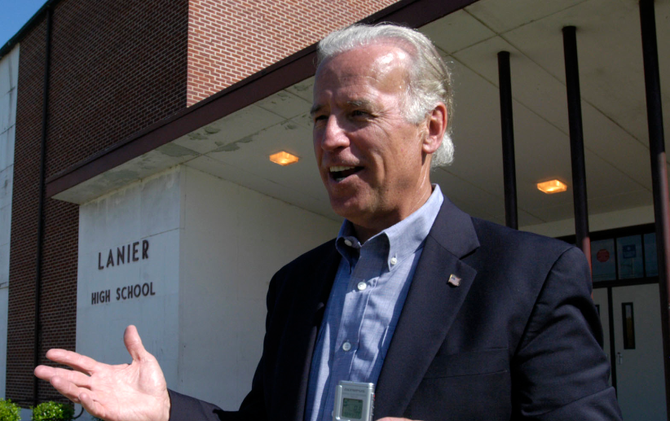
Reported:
(517, 339)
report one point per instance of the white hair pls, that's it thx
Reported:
(429, 77)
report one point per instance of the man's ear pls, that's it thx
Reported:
(436, 125)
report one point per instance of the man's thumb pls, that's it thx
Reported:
(133, 343)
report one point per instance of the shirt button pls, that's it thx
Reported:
(361, 286)
(346, 346)
(348, 243)
(393, 261)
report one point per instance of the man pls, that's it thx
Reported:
(452, 317)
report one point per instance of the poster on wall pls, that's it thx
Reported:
(650, 256)
(602, 260)
(630, 257)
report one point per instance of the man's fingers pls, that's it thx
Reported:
(44, 372)
(133, 343)
(90, 405)
(67, 388)
(77, 394)
(47, 373)
(72, 359)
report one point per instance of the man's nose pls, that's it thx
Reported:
(334, 135)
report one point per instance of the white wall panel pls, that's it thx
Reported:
(124, 220)
(234, 239)
(9, 72)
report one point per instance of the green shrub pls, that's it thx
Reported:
(52, 411)
(9, 411)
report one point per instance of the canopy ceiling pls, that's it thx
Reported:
(237, 147)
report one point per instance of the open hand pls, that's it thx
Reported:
(125, 392)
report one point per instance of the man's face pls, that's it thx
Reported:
(371, 160)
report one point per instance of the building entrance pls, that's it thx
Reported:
(631, 320)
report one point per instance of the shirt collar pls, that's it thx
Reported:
(402, 239)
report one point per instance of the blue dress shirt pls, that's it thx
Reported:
(365, 303)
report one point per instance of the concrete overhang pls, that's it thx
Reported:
(231, 134)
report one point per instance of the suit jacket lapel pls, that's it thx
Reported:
(431, 306)
(305, 320)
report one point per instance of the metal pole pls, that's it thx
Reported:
(576, 141)
(612, 350)
(507, 123)
(659, 173)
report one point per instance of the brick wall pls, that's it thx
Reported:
(230, 40)
(23, 243)
(117, 66)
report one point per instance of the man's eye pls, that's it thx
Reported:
(320, 119)
(359, 114)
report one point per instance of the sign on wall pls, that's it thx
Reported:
(123, 255)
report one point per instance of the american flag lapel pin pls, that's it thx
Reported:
(454, 280)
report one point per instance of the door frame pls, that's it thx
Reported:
(610, 315)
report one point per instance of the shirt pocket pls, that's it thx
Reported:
(487, 361)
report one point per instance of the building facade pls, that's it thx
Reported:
(137, 187)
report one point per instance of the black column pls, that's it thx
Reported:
(659, 172)
(576, 141)
(507, 123)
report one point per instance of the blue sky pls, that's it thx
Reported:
(14, 14)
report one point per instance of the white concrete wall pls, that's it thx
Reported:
(213, 247)
(147, 210)
(233, 241)
(9, 74)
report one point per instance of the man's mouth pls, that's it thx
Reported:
(340, 173)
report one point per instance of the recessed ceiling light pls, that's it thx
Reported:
(284, 158)
(552, 186)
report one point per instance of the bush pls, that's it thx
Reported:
(53, 411)
(9, 411)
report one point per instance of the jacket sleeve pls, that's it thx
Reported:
(560, 371)
(186, 408)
